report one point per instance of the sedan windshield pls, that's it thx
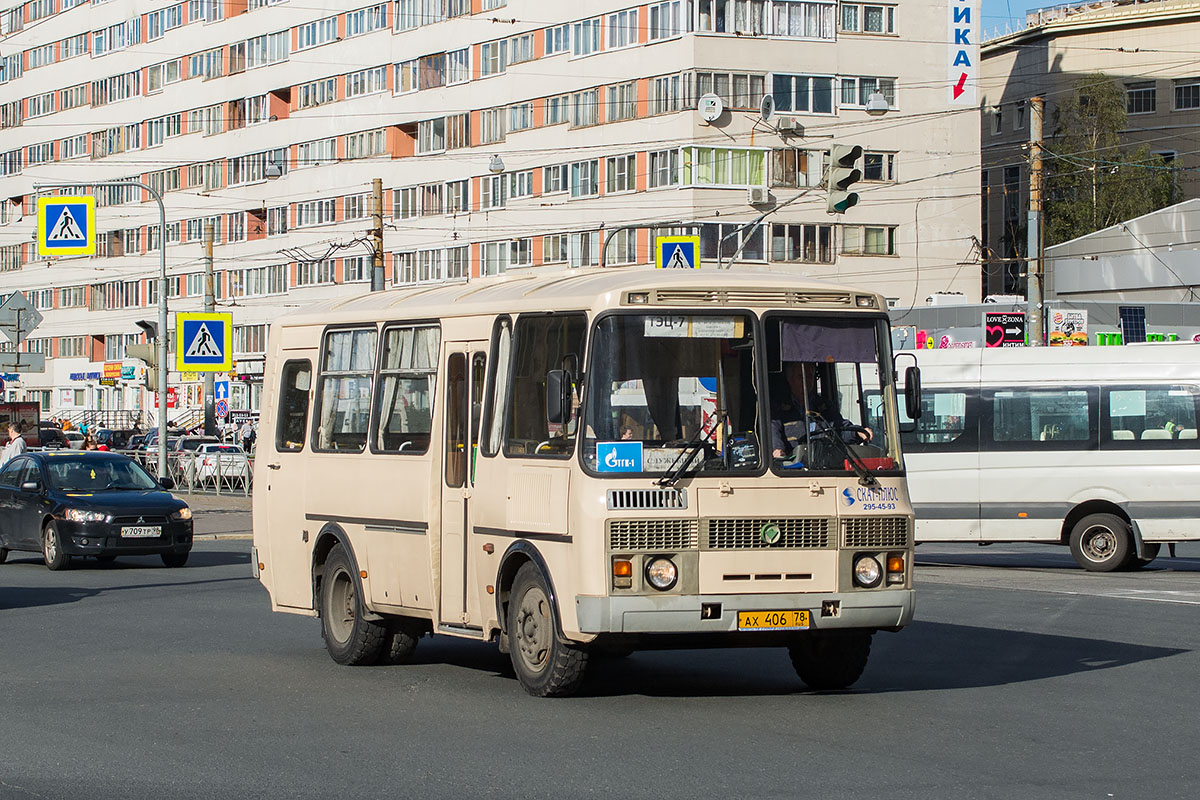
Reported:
(96, 474)
(672, 391)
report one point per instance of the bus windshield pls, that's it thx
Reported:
(662, 385)
(825, 377)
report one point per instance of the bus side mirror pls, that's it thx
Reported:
(912, 392)
(558, 396)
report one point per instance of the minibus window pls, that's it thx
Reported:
(291, 421)
(543, 343)
(406, 379)
(344, 396)
(497, 397)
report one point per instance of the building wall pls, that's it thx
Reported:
(921, 213)
(1142, 45)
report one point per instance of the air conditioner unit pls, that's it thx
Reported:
(789, 126)
(758, 196)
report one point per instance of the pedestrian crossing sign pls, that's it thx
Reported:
(203, 341)
(677, 252)
(66, 226)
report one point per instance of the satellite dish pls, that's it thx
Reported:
(766, 109)
(710, 107)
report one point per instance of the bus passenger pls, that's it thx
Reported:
(787, 428)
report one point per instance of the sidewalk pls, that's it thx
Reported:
(219, 517)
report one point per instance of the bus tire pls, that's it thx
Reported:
(350, 639)
(402, 642)
(830, 661)
(1151, 552)
(545, 665)
(1102, 542)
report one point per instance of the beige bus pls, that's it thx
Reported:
(588, 462)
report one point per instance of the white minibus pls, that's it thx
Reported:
(588, 461)
(1094, 448)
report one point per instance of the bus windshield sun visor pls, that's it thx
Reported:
(828, 341)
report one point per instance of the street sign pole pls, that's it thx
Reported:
(162, 306)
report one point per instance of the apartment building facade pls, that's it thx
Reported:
(507, 136)
(1148, 47)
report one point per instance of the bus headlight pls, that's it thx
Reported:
(661, 573)
(867, 572)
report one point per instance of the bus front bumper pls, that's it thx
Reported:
(887, 609)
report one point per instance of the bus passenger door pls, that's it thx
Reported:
(465, 370)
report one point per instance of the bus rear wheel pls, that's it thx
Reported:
(350, 639)
(545, 665)
(1102, 543)
(830, 661)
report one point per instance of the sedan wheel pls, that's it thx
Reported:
(52, 551)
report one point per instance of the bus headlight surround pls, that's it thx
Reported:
(661, 573)
(867, 572)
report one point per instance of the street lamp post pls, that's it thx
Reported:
(162, 304)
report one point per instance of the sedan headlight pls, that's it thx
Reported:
(83, 515)
(661, 573)
(183, 513)
(867, 572)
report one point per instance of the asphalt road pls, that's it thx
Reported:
(1022, 678)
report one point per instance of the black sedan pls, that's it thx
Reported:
(102, 505)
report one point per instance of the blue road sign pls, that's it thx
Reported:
(202, 342)
(66, 226)
(222, 408)
(221, 390)
(677, 252)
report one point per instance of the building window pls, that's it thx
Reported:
(879, 167)
(520, 48)
(857, 91)
(365, 144)
(366, 20)
(664, 168)
(997, 120)
(317, 93)
(354, 269)
(585, 37)
(520, 184)
(738, 89)
(458, 196)
(404, 268)
(667, 93)
(622, 101)
(1012, 194)
(558, 39)
(557, 109)
(585, 179)
(520, 117)
(316, 212)
(271, 48)
(792, 168)
(807, 94)
(493, 258)
(622, 174)
(314, 34)
(491, 124)
(812, 244)
(458, 262)
(747, 17)
(869, 240)
(366, 81)
(458, 66)
(1141, 98)
(665, 21)
(314, 273)
(622, 28)
(583, 249)
(722, 166)
(867, 18)
(554, 248)
(622, 247)
(1187, 94)
(493, 57)
(458, 131)
(355, 206)
(491, 192)
(429, 265)
(732, 240)
(554, 179)
(802, 18)
(585, 108)
(312, 154)
(1019, 116)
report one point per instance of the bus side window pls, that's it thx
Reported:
(407, 375)
(496, 400)
(543, 343)
(1058, 417)
(1156, 416)
(291, 419)
(344, 390)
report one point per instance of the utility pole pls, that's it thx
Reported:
(1034, 264)
(377, 235)
(210, 305)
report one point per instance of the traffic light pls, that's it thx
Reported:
(842, 175)
(147, 352)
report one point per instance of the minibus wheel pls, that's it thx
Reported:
(350, 639)
(545, 665)
(1102, 542)
(828, 661)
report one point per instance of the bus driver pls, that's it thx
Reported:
(787, 428)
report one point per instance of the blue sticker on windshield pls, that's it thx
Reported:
(619, 457)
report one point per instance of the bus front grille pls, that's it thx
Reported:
(652, 499)
(875, 532)
(755, 533)
(628, 535)
(750, 297)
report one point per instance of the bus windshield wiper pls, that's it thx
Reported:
(865, 476)
(682, 461)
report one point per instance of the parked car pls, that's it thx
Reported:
(212, 463)
(117, 439)
(75, 439)
(70, 504)
(52, 438)
(191, 443)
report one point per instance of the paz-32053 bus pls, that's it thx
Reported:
(577, 462)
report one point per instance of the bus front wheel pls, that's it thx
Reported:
(826, 661)
(350, 639)
(1102, 542)
(545, 665)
